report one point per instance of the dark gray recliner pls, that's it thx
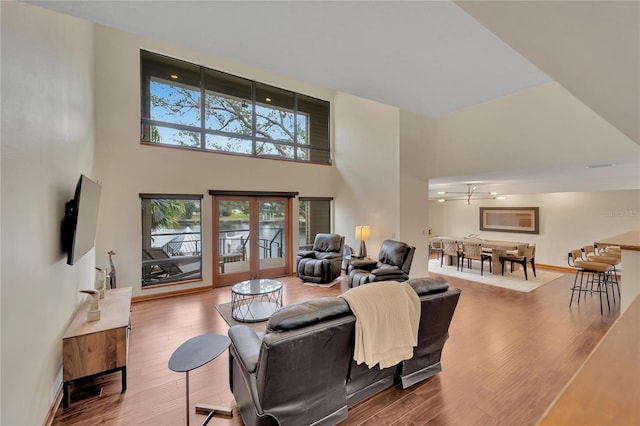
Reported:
(295, 374)
(394, 264)
(321, 264)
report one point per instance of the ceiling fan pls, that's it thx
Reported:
(470, 194)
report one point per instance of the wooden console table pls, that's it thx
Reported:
(91, 349)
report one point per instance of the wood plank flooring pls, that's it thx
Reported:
(508, 356)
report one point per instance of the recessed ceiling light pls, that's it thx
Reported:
(174, 76)
(441, 200)
(267, 99)
(441, 193)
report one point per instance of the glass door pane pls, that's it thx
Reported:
(250, 238)
(234, 247)
(272, 234)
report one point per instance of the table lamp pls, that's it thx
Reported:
(363, 233)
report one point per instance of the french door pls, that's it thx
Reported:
(251, 236)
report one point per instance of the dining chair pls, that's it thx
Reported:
(450, 248)
(435, 246)
(472, 250)
(528, 256)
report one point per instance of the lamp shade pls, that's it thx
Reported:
(363, 233)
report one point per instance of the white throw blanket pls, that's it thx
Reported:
(387, 319)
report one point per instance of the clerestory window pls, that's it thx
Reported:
(190, 106)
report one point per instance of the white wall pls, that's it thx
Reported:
(367, 179)
(416, 134)
(47, 142)
(568, 220)
(541, 127)
(364, 179)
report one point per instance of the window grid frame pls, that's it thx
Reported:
(297, 148)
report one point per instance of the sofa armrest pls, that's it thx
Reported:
(429, 285)
(367, 265)
(329, 255)
(387, 271)
(307, 253)
(247, 344)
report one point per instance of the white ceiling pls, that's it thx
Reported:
(623, 173)
(592, 48)
(427, 57)
(355, 47)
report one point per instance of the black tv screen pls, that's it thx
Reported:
(80, 220)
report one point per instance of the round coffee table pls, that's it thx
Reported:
(195, 353)
(255, 300)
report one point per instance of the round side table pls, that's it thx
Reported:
(195, 353)
(255, 300)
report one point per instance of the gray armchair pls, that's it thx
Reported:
(321, 264)
(394, 264)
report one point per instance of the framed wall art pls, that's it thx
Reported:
(524, 220)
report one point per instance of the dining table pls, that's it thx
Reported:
(498, 248)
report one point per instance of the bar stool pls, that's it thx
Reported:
(592, 269)
(591, 256)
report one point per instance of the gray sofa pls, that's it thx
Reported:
(302, 372)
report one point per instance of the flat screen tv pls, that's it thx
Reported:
(80, 220)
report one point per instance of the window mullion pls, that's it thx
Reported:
(254, 146)
(203, 109)
(295, 126)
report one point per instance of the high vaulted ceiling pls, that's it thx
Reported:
(427, 57)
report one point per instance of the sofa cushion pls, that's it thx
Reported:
(327, 242)
(393, 253)
(307, 313)
(426, 285)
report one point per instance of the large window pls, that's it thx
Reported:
(171, 239)
(314, 218)
(195, 107)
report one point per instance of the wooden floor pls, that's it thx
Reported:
(508, 356)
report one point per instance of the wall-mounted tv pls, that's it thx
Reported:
(80, 220)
